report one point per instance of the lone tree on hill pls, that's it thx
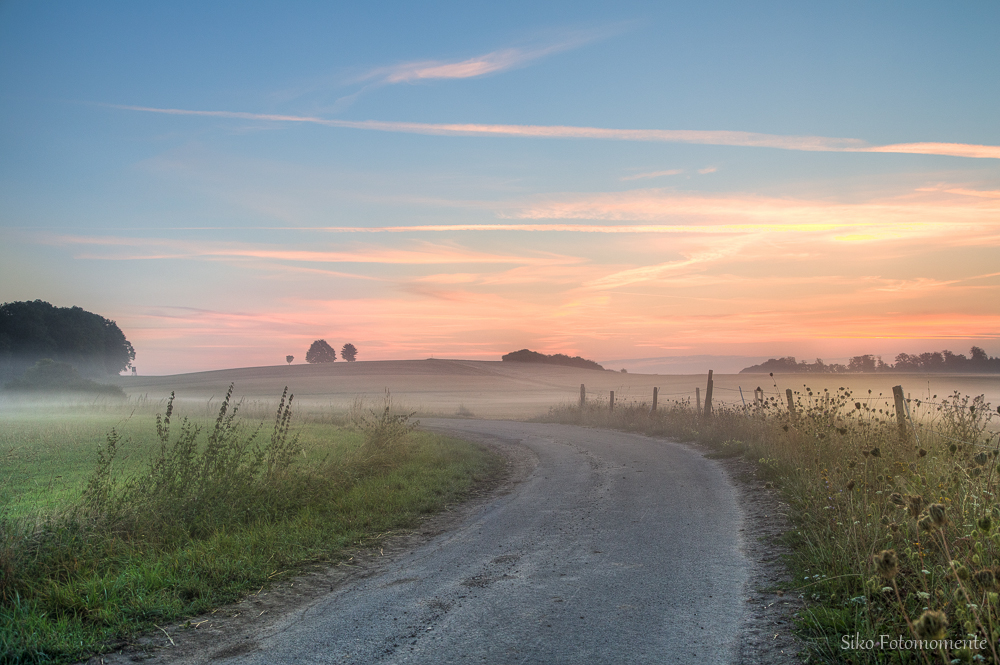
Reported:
(320, 352)
(289, 359)
(349, 353)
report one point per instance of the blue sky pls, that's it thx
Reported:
(232, 181)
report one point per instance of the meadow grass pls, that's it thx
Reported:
(894, 532)
(162, 517)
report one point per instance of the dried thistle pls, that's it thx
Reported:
(897, 499)
(932, 625)
(887, 563)
(916, 502)
(986, 578)
(938, 517)
(925, 523)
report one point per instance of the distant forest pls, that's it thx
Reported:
(944, 361)
(526, 356)
(35, 330)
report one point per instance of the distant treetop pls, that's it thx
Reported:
(526, 356)
(320, 352)
(33, 330)
(945, 361)
(349, 352)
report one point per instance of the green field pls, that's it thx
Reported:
(111, 524)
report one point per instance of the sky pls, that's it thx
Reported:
(628, 180)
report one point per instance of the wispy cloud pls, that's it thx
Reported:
(652, 174)
(474, 67)
(425, 254)
(690, 136)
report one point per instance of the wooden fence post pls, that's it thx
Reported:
(612, 402)
(791, 404)
(583, 396)
(697, 400)
(655, 393)
(897, 393)
(708, 396)
(758, 396)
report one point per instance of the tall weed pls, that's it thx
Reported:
(895, 531)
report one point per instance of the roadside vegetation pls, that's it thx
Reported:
(163, 517)
(896, 531)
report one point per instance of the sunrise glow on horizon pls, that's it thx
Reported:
(636, 181)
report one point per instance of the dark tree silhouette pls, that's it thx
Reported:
(31, 331)
(320, 352)
(349, 353)
(289, 359)
(932, 361)
(527, 356)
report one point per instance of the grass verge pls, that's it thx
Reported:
(895, 531)
(193, 515)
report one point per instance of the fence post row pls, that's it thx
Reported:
(758, 396)
(583, 396)
(612, 401)
(697, 400)
(655, 392)
(708, 395)
(897, 393)
(791, 404)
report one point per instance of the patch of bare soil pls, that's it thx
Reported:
(230, 630)
(766, 636)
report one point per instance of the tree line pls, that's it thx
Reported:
(527, 356)
(31, 331)
(933, 361)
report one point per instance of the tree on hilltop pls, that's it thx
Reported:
(349, 353)
(321, 352)
(289, 359)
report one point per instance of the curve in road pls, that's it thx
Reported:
(616, 548)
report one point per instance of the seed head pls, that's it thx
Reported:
(887, 563)
(875, 452)
(922, 452)
(925, 523)
(981, 458)
(985, 524)
(916, 502)
(897, 499)
(850, 485)
(985, 578)
(936, 512)
(931, 625)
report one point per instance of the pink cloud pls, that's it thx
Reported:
(717, 137)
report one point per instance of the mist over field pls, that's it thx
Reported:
(697, 306)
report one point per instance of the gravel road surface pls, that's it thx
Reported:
(615, 548)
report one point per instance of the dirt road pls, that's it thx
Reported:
(615, 548)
